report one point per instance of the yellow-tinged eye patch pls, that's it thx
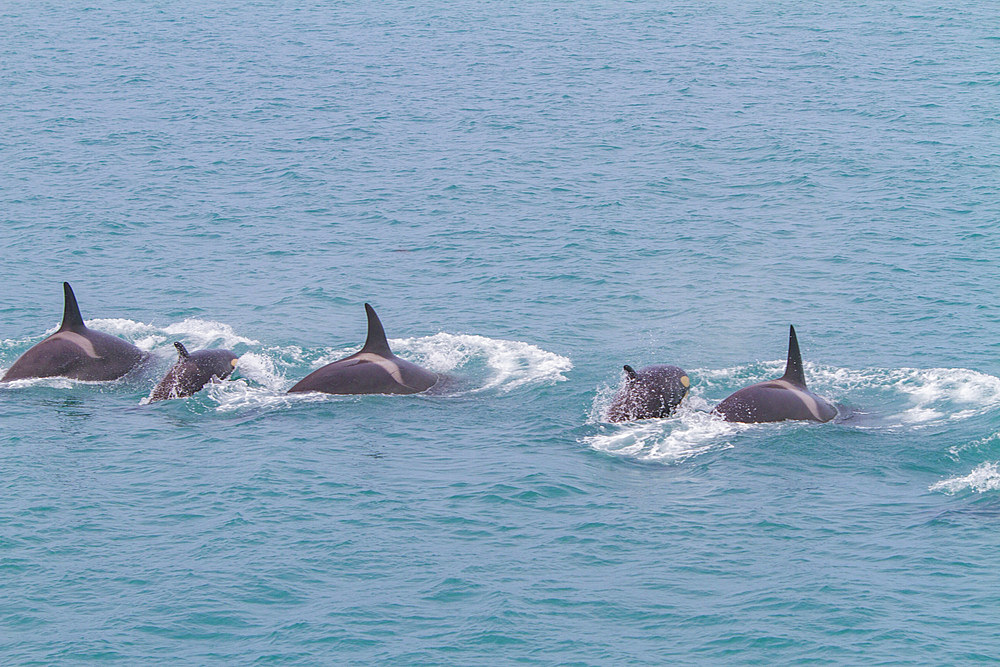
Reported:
(233, 362)
(686, 381)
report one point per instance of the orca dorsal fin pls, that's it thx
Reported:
(181, 350)
(630, 372)
(793, 367)
(71, 311)
(376, 342)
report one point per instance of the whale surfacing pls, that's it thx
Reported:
(77, 352)
(778, 400)
(192, 371)
(373, 370)
(652, 392)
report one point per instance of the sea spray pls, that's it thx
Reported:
(983, 478)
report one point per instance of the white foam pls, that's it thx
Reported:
(985, 477)
(511, 364)
(918, 416)
(941, 394)
(689, 432)
(261, 369)
(199, 333)
(117, 326)
(234, 395)
(206, 333)
(51, 382)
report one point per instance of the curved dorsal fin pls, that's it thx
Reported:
(630, 372)
(71, 311)
(181, 350)
(376, 342)
(793, 367)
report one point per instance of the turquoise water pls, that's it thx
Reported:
(531, 195)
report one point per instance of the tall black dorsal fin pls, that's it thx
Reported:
(71, 311)
(181, 350)
(376, 342)
(793, 367)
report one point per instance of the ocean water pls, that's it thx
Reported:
(531, 195)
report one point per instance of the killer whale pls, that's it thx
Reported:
(778, 400)
(192, 371)
(372, 370)
(652, 392)
(74, 351)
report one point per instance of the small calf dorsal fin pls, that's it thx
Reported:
(630, 372)
(793, 367)
(181, 350)
(376, 342)
(71, 311)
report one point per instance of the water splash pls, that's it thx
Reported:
(689, 432)
(510, 364)
(199, 333)
(50, 382)
(983, 478)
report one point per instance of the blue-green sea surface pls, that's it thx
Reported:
(531, 195)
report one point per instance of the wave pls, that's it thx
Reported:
(51, 383)
(873, 398)
(198, 333)
(985, 477)
(913, 397)
(956, 451)
(504, 365)
(688, 433)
